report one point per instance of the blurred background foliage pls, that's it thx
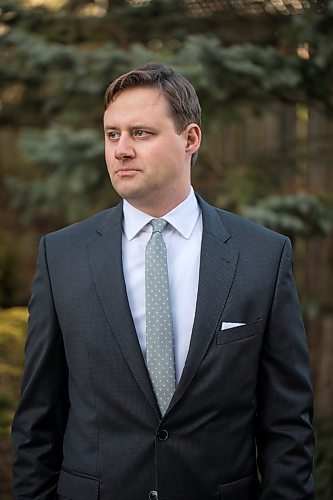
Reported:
(263, 70)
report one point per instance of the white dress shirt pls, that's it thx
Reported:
(182, 237)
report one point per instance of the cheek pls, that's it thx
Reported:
(162, 154)
(109, 156)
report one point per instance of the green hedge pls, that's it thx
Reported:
(13, 325)
(324, 459)
(9, 261)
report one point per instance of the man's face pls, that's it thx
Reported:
(147, 160)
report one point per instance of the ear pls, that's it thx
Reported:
(193, 138)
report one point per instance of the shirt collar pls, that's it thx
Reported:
(183, 217)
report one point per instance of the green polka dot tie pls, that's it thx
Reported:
(159, 334)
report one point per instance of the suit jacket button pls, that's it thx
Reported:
(162, 435)
(153, 495)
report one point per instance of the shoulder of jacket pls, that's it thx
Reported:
(81, 229)
(235, 222)
(243, 229)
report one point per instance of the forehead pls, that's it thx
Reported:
(138, 102)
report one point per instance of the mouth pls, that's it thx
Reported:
(127, 172)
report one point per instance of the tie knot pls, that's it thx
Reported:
(158, 225)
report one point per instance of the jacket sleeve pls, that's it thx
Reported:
(285, 439)
(40, 419)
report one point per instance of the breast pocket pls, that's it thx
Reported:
(240, 332)
(77, 487)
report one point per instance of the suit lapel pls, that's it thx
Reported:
(105, 260)
(218, 263)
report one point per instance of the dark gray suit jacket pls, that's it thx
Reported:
(88, 425)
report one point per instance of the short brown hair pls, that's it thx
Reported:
(180, 94)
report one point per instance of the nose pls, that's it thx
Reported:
(124, 149)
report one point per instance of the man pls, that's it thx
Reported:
(111, 408)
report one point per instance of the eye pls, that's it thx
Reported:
(141, 133)
(112, 135)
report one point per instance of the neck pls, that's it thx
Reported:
(163, 207)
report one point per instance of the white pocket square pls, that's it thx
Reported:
(226, 325)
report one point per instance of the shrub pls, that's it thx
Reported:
(8, 270)
(12, 338)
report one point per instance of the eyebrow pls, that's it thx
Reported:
(110, 127)
(133, 127)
